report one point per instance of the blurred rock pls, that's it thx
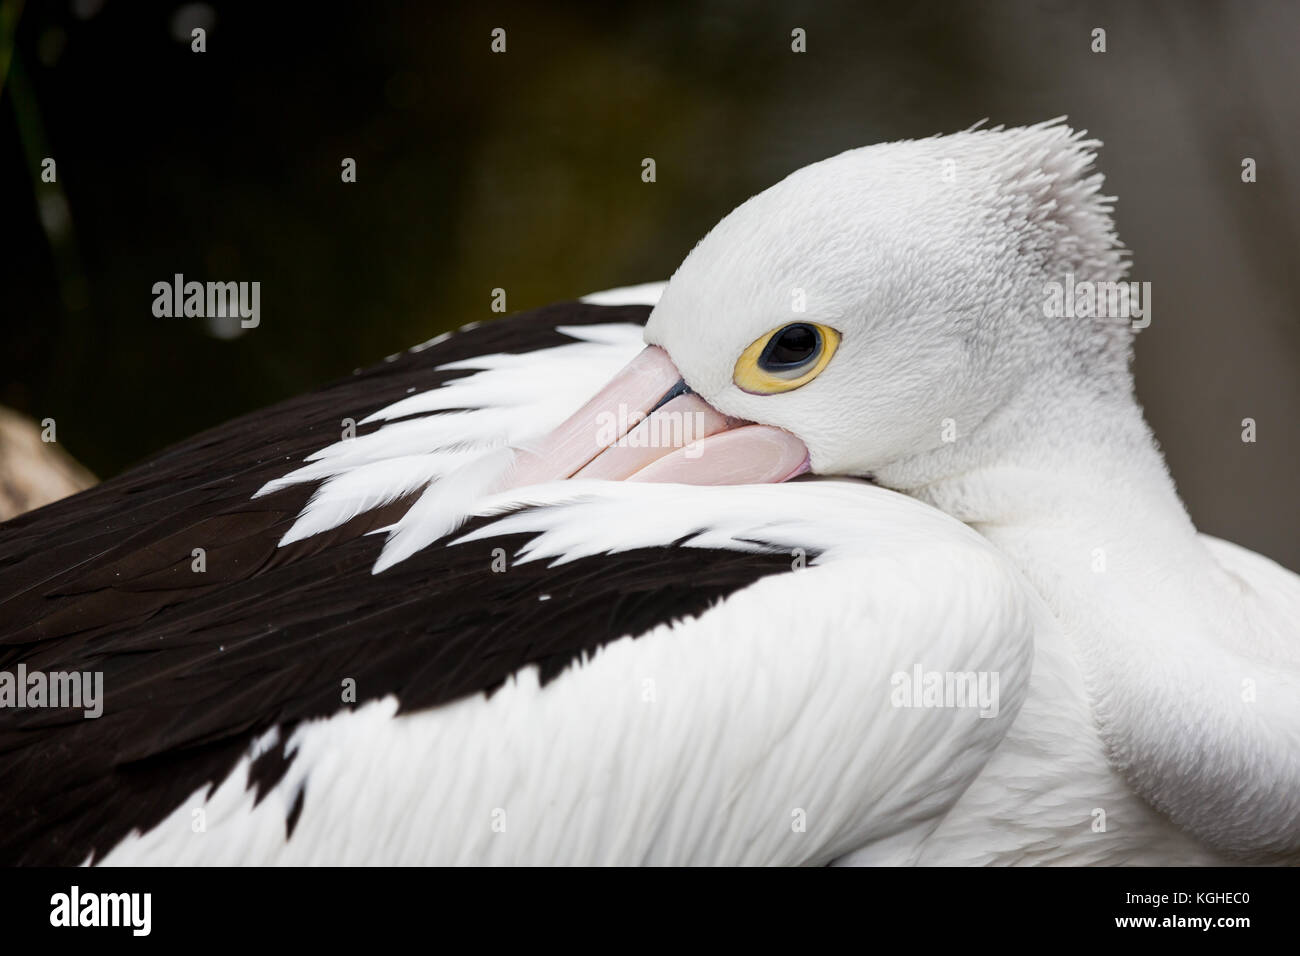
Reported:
(33, 472)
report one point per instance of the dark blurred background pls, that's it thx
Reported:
(522, 170)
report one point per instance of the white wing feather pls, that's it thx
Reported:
(764, 731)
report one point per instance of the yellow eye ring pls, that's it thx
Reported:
(785, 358)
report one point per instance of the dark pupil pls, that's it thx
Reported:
(792, 346)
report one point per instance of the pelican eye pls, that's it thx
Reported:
(786, 358)
(791, 349)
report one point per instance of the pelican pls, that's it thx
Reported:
(835, 548)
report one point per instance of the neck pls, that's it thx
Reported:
(1089, 514)
(1065, 476)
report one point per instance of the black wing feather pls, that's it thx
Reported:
(197, 665)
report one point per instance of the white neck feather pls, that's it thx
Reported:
(1169, 643)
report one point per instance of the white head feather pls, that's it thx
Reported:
(930, 257)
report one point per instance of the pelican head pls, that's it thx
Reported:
(836, 321)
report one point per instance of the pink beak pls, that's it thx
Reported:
(647, 425)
